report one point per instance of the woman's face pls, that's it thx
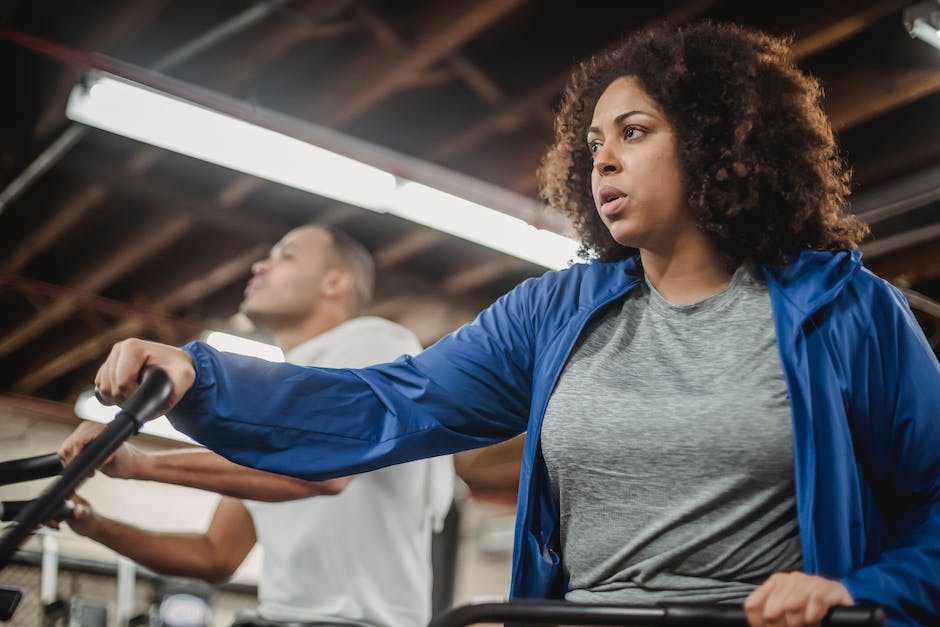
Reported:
(636, 181)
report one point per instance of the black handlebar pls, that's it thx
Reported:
(145, 404)
(9, 510)
(29, 468)
(528, 611)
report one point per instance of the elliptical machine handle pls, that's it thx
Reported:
(145, 404)
(29, 468)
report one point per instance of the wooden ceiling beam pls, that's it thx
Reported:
(161, 193)
(510, 117)
(173, 298)
(829, 28)
(134, 251)
(482, 274)
(407, 247)
(462, 67)
(536, 106)
(910, 267)
(128, 19)
(277, 42)
(861, 94)
(377, 74)
(63, 219)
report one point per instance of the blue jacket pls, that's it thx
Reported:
(864, 391)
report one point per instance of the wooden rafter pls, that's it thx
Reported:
(128, 20)
(172, 299)
(376, 74)
(134, 251)
(481, 275)
(830, 28)
(860, 94)
(64, 219)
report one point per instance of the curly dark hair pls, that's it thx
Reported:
(758, 158)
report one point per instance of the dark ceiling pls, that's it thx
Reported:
(103, 238)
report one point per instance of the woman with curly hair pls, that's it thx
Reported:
(722, 405)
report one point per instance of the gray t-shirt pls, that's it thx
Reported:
(669, 446)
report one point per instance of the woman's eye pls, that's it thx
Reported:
(593, 147)
(632, 132)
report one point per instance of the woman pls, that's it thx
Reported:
(723, 407)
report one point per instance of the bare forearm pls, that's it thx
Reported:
(209, 471)
(180, 554)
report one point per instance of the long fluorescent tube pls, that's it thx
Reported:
(922, 20)
(149, 116)
(926, 32)
(471, 221)
(126, 108)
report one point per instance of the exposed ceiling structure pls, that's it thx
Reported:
(103, 238)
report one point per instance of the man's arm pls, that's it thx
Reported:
(198, 468)
(212, 556)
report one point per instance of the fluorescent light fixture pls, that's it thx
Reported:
(923, 21)
(127, 108)
(495, 229)
(152, 117)
(87, 407)
(243, 346)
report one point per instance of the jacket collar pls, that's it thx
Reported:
(813, 278)
(809, 279)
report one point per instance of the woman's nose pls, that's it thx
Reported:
(259, 266)
(605, 162)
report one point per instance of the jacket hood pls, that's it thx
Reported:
(813, 278)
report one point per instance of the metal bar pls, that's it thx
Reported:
(59, 147)
(567, 613)
(921, 303)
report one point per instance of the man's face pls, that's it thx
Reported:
(285, 287)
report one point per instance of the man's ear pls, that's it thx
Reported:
(336, 283)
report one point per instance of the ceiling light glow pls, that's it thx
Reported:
(139, 112)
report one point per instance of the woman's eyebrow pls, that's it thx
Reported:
(619, 119)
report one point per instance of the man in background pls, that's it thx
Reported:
(348, 551)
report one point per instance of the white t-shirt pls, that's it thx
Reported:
(362, 556)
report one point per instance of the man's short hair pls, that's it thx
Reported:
(353, 256)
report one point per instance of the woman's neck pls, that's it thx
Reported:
(692, 271)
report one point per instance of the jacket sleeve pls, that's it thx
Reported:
(471, 389)
(896, 418)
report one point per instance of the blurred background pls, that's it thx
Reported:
(103, 237)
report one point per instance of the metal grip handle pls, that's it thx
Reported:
(152, 395)
(561, 612)
(29, 468)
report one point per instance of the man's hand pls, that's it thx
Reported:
(124, 463)
(83, 518)
(794, 600)
(117, 377)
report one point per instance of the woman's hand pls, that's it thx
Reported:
(117, 377)
(794, 600)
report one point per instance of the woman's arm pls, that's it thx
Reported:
(896, 421)
(471, 389)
